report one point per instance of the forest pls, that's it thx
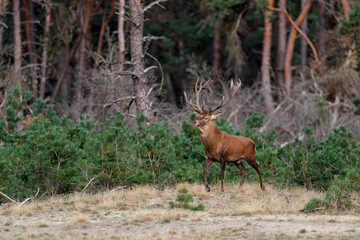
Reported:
(92, 93)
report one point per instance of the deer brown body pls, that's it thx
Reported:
(220, 146)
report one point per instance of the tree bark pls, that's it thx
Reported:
(265, 63)
(29, 30)
(291, 44)
(44, 53)
(216, 52)
(119, 83)
(311, 45)
(17, 42)
(121, 35)
(322, 28)
(140, 83)
(102, 32)
(281, 48)
(64, 71)
(346, 8)
(303, 44)
(61, 65)
(3, 6)
(85, 11)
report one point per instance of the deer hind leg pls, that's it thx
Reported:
(223, 165)
(242, 169)
(257, 168)
(206, 168)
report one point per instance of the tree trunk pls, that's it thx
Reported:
(44, 53)
(121, 34)
(102, 32)
(119, 83)
(29, 30)
(217, 52)
(290, 46)
(140, 83)
(346, 8)
(3, 6)
(64, 71)
(85, 10)
(303, 43)
(17, 42)
(322, 28)
(265, 63)
(61, 65)
(281, 48)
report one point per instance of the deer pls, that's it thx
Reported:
(220, 146)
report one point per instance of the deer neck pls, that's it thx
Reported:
(210, 135)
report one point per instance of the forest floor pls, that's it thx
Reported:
(144, 213)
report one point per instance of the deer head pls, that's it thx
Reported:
(206, 116)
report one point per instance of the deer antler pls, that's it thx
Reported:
(233, 89)
(198, 88)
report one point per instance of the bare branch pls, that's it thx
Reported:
(144, 205)
(271, 115)
(4, 25)
(126, 73)
(118, 100)
(8, 197)
(152, 38)
(157, 2)
(150, 68)
(118, 188)
(318, 62)
(91, 181)
(30, 198)
(161, 70)
(4, 101)
(239, 107)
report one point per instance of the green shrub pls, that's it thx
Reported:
(57, 155)
(314, 204)
(183, 200)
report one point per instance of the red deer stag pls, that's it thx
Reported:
(220, 146)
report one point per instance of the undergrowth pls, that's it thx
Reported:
(184, 200)
(55, 154)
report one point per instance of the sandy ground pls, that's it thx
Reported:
(143, 213)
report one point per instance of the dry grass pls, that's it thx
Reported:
(248, 198)
(141, 212)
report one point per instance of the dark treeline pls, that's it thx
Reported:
(82, 54)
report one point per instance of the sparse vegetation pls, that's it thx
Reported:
(183, 200)
(257, 215)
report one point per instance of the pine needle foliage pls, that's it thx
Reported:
(184, 200)
(58, 156)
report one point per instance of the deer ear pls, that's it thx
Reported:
(215, 116)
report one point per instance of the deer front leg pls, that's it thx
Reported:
(223, 165)
(206, 168)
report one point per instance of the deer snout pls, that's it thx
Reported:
(196, 123)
